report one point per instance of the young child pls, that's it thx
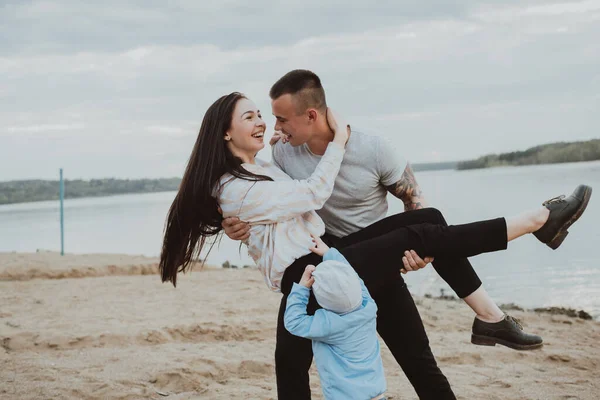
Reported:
(343, 332)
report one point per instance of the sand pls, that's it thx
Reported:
(105, 327)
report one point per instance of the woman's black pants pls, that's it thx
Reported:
(376, 254)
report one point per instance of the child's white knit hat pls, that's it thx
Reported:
(337, 287)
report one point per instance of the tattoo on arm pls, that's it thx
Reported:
(407, 189)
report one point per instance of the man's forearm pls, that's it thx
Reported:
(407, 189)
(416, 203)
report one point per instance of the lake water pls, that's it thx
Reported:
(529, 273)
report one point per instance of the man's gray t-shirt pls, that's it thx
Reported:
(359, 196)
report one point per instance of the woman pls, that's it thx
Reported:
(223, 172)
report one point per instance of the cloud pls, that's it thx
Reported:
(72, 26)
(135, 79)
(43, 128)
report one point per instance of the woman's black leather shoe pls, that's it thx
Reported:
(507, 332)
(564, 211)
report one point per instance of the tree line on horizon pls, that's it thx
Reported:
(40, 190)
(553, 153)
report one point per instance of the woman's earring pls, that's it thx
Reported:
(228, 138)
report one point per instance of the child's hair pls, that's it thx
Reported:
(337, 287)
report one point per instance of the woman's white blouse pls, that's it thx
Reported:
(280, 212)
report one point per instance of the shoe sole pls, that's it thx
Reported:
(490, 341)
(562, 233)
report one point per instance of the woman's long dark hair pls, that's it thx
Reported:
(194, 214)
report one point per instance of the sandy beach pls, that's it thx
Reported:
(105, 327)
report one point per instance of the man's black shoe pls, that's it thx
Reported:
(507, 332)
(563, 213)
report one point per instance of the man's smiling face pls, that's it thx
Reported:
(291, 121)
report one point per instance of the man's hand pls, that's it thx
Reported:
(412, 262)
(236, 229)
(307, 279)
(279, 135)
(320, 247)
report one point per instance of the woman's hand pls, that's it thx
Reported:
(340, 128)
(307, 279)
(279, 135)
(320, 247)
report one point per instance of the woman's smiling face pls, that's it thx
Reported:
(245, 138)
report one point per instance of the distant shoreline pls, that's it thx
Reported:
(553, 153)
(88, 197)
(29, 191)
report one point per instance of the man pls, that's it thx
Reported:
(369, 171)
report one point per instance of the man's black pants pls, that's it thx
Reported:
(376, 254)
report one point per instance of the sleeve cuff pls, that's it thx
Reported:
(296, 287)
(331, 254)
(335, 147)
(397, 176)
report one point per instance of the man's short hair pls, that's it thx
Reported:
(305, 86)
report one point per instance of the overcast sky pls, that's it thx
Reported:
(105, 89)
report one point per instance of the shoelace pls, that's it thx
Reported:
(557, 199)
(515, 321)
